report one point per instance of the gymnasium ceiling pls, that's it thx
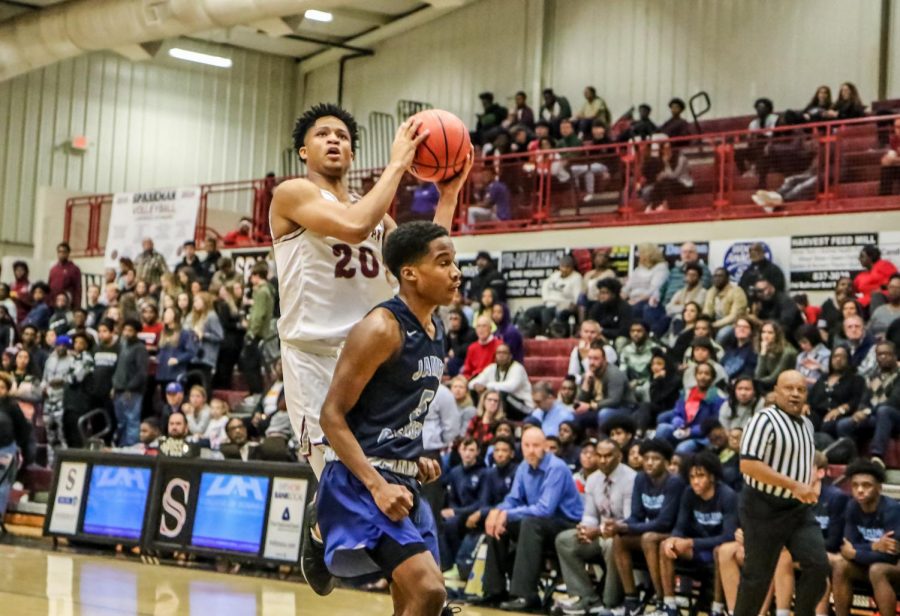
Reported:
(302, 38)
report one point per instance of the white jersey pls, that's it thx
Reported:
(327, 286)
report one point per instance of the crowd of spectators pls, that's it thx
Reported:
(629, 468)
(132, 361)
(663, 171)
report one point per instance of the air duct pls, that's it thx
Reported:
(43, 37)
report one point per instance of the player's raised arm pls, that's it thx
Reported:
(449, 191)
(371, 342)
(301, 201)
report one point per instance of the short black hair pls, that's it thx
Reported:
(694, 267)
(873, 252)
(619, 422)
(43, 286)
(548, 91)
(153, 422)
(770, 106)
(322, 110)
(190, 243)
(658, 445)
(64, 245)
(409, 243)
(866, 467)
(108, 323)
(21, 264)
(610, 284)
(645, 106)
(522, 94)
(487, 96)
(707, 460)
(504, 439)
(135, 323)
(679, 102)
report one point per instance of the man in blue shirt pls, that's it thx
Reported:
(549, 411)
(870, 549)
(654, 508)
(542, 503)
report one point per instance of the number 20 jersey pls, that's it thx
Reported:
(326, 285)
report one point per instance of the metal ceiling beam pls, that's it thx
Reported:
(371, 17)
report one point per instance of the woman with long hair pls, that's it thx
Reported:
(776, 355)
(169, 286)
(812, 361)
(820, 103)
(836, 395)
(489, 412)
(848, 105)
(680, 342)
(643, 287)
(485, 307)
(744, 400)
(206, 325)
(672, 179)
(229, 313)
(177, 349)
(740, 355)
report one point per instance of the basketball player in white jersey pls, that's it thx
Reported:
(328, 253)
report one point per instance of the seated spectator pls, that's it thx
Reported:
(876, 275)
(507, 332)
(847, 308)
(568, 390)
(178, 443)
(578, 363)
(860, 344)
(568, 138)
(242, 236)
(703, 350)
(39, 314)
(465, 408)
(645, 284)
(812, 361)
(837, 394)
(219, 414)
(740, 355)
(890, 162)
(870, 551)
(490, 198)
(820, 103)
(588, 464)
(670, 178)
(641, 129)
(620, 429)
(882, 398)
(724, 302)
(608, 501)
(174, 400)
(239, 445)
(489, 413)
(655, 503)
(604, 391)
(727, 446)
(542, 502)
(743, 401)
(707, 518)
(489, 121)
(848, 105)
(589, 170)
(594, 108)
(559, 297)
(611, 312)
(775, 356)
(568, 444)
(681, 331)
(197, 411)
(487, 276)
(767, 304)
(480, 353)
(508, 377)
(683, 425)
(554, 110)
(521, 115)
(149, 439)
(676, 126)
(634, 360)
(887, 313)
(688, 254)
(765, 120)
(663, 393)
(633, 457)
(541, 132)
(459, 336)
(549, 411)
(760, 268)
(691, 292)
(601, 268)
(462, 487)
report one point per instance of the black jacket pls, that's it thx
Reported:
(613, 316)
(131, 367)
(764, 270)
(489, 277)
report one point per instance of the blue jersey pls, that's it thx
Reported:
(388, 417)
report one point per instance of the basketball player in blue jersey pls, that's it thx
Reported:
(369, 508)
(328, 252)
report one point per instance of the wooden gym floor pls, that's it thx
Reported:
(39, 582)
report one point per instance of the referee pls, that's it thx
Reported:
(775, 507)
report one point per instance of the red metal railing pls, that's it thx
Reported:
(835, 167)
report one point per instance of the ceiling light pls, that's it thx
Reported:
(202, 58)
(315, 15)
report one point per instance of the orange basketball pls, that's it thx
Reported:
(443, 153)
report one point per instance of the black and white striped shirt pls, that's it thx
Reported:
(783, 442)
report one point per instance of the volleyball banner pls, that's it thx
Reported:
(167, 216)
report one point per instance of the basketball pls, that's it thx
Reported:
(443, 153)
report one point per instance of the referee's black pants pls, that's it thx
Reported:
(770, 524)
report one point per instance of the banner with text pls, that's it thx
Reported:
(168, 217)
(526, 270)
(734, 255)
(818, 261)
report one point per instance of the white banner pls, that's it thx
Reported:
(167, 216)
(285, 528)
(734, 255)
(69, 492)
